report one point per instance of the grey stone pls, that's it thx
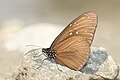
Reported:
(108, 68)
(97, 57)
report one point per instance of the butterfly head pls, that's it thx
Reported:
(50, 53)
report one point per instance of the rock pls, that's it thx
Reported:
(118, 78)
(109, 69)
(49, 70)
(97, 57)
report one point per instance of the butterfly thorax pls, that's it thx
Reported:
(50, 53)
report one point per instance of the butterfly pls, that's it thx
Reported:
(71, 47)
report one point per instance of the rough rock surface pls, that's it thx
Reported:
(108, 68)
(97, 57)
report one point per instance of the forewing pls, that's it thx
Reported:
(84, 25)
(74, 53)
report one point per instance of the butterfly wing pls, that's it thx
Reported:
(74, 53)
(72, 45)
(84, 24)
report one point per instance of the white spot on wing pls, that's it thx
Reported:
(71, 33)
(90, 41)
(76, 32)
(91, 34)
(70, 24)
(83, 62)
(75, 23)
(85, 14)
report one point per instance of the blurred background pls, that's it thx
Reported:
(38, 22)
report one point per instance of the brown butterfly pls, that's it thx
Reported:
(71, 48)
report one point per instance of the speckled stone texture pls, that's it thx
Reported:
(100, 66)
(97, 57)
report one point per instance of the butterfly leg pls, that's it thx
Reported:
(48, 59)
(58, 68)
(42, 63)
(37, 56)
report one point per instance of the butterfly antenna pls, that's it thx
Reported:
(32, 51)
(32, 45)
